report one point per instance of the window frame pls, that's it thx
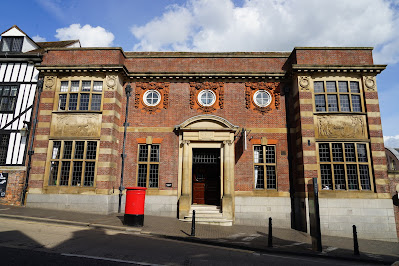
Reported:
(14, 98)
(345, 162)
(337, 93)
(264, 164)
(71, 161)
(152, 91)
(262, 105)
(202, 92)
(148, 163)
(79, 92)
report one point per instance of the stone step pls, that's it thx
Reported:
(207, 214)
(205, 208)
(213, 221)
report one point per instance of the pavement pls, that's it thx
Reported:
(252, 238)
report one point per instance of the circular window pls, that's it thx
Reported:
(152, 97)
(262, 98)
(206, 97)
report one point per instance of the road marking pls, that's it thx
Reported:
(291, 245)
(108, 259)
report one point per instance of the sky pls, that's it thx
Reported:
(224, 26)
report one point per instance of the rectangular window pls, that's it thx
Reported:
(348, 169)
(265, 167)
(8, 97)
(148, 165)
(4, 139)
(82, 95)
(344, 99)
(73, 163)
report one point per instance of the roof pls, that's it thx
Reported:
(394, 151)
(59, 44)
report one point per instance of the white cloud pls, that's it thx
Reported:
(391, 141)
(274, 25)
(38, 38)
(89, 36)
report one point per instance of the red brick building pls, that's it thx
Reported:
(242, 132)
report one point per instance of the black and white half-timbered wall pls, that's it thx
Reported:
(18, 87)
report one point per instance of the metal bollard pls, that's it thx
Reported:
(193, 224)
(270, 236)
(355, 242)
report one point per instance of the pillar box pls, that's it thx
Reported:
(134, 208)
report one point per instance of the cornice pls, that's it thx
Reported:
(341, 68)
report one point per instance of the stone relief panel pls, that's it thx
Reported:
(304, 83)
(111, 82)
(341, 127)
(49, 82)
(369, 83)
(76, 125)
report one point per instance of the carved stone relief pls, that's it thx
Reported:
(273, 88)
(341, 127)
(76, 125)
(304, 83)
(216, 87)
(111, 81)
(369, 83)
(49, 82)
(161, 87)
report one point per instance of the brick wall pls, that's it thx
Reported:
(15, 185)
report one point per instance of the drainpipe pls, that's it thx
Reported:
(128, 90)
(39, 89)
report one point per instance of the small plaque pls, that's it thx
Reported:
(168, 184)
(3, 184)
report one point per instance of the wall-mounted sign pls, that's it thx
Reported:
(168, 184)
(3, 184)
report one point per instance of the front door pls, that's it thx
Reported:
(206, 176)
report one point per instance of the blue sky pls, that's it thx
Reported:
(224, 25)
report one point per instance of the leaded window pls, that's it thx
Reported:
(344, 166)
(4, 139)
(265, 167)
(11, 44)
(8, 97)
(73, 163)
(337, 96)
(148, 165)
(79, 95)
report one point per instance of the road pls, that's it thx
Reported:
(35, 243)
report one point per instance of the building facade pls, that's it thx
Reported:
(18, 81)
(245, 132)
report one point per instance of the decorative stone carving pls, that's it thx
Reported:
(304, 83)
(111, 81)
(273, 88)
(49, 82)
(341, 127)
(76, 125)
(206, 135)
(161, 87)
(369, 83)
(216, 87)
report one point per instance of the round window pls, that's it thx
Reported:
(206, 97)
(262, 98)
(152, 97)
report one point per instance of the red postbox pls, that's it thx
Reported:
(134, 208)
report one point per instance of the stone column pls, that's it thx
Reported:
(227, 200)
(185, 198)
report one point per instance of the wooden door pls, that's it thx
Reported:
(206, 184)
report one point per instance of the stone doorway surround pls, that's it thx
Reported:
(206, 131)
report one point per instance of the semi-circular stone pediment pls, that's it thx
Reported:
(206, 122)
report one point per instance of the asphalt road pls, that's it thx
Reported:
(33, 243)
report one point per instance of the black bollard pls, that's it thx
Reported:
(193, 224)
(270, 236)
(355, 242)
